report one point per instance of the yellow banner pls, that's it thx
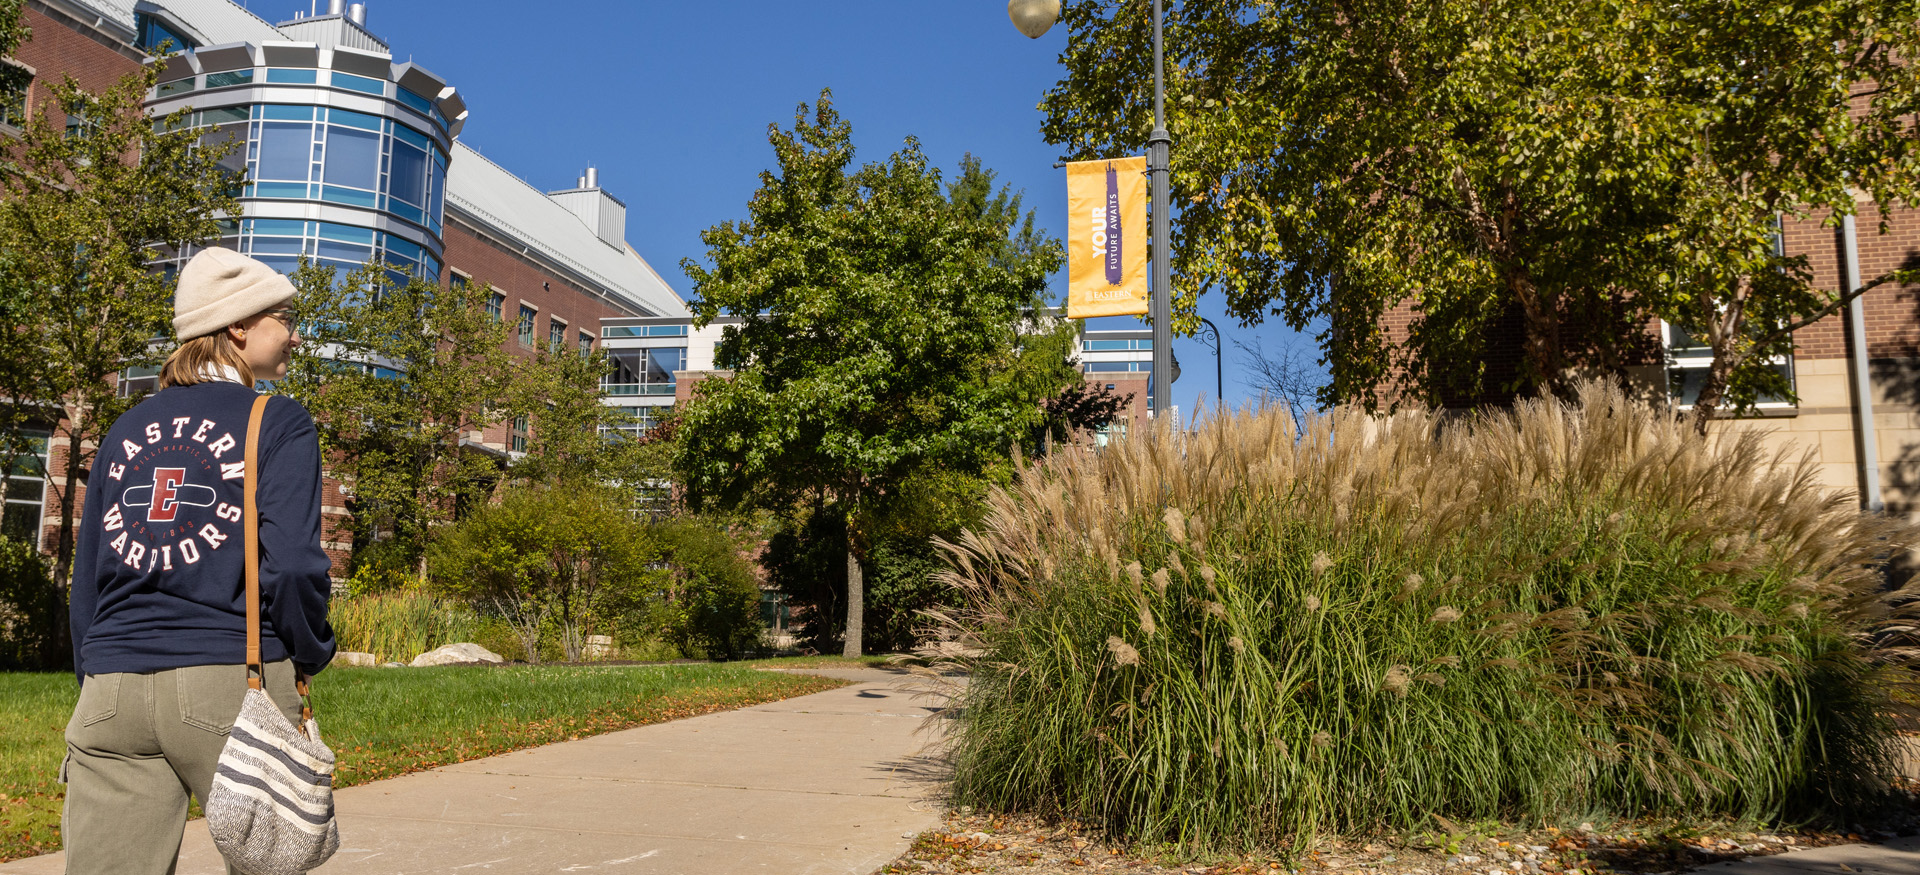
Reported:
(1107, 237)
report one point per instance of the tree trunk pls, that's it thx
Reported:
(1708, 404)
(63, 556)
(856, 599)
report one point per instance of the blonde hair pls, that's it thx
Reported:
(190, 363)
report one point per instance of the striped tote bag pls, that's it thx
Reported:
(271, 806)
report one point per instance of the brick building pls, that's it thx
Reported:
(1856, 373)
(351, 154)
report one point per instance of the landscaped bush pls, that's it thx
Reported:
(709, 602)
(397, 626)
(30, 609)
(1237, 635)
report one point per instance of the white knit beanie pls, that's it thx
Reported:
(220, 287)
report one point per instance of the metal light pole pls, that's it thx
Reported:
(1033, 18)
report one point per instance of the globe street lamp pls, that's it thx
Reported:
(1033, 18)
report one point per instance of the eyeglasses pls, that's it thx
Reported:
(287, 316)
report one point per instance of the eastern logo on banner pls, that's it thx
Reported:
(1107, 215)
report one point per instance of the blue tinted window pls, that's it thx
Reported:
(353, 157)
(402, 249)
(354, 119)
(409, 135)
(280, 189)
(230, 77)
(353, 252)
(666, 331)
(352, 196)
(223, 115)
(285, 151)
(278, 245)
(661, 363)
(358, 83)
(407, 180)
(424, 105)
(284, 227)
(153, 34)
(175, 87)
(292, 77)
(283, 112)
(347, 233)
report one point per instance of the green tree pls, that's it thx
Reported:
(563, 556)
(400, 373)
(573, 437)
(85, 210)
(880, 334)
(1576, 168)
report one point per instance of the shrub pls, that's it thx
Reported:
(399, 625)
(1238, 635)
(571, 556)
(31, 609)
(710, 603)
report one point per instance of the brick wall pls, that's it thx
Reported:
(60, 45)
(482, 258)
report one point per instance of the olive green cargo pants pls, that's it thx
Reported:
(138, 745)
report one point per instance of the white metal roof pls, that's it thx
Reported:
(508, 205)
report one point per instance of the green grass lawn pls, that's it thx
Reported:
(387, 722)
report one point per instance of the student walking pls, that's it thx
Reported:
(159, 604)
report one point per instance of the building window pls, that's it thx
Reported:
(346, 157)
(526, 326)
(497, 306)
(586, 343)
(14, 82)
(26, 492)
(644, 371)
(517, 441)
(1689, 359)
(280, 243)
(135, 382)
(152, 34)
(556, 334)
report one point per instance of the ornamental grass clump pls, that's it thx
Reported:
(1240, 634)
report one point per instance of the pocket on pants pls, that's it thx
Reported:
(210, 695)
(99, 698)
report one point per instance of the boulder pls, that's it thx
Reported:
(355, 658)
(598, 647)
(454, 654)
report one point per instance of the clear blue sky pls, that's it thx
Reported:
(672, 101)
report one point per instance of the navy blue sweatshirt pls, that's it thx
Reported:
(159, 574)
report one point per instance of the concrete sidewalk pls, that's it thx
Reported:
(834, 782)
(1896, 857)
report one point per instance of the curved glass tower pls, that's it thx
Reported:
(345, 151)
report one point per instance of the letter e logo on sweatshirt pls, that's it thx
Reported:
(169, 490)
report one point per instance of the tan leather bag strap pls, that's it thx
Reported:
(256, 672)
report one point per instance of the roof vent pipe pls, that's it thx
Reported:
(334, 6)
(593, 178)
(357, 13)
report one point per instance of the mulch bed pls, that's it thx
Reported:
(971, 842)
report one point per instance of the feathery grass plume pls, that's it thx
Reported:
(1618, 661)
(1160, 581)
(1397, 679)
(1147, 626)
(1321, 563)
(1176, 525)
